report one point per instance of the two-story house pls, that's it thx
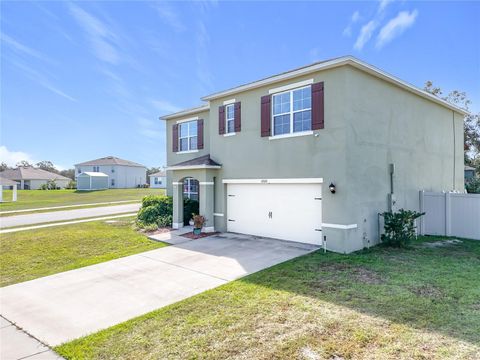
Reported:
(121, 173)
(314, 154)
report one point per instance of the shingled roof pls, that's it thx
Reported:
(201, 162)
(110, 160)
(30, 173)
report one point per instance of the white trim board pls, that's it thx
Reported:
(206, 183)
(218, 214)
(228, 102)
(186, 120)
(291, 86)
(193, 167)
(339, 226)
(274, 181)
(290, 135)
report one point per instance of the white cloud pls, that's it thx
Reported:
(169, 16)
(102, 39)
(383, 5)
(395, 27)
(41, 80)
(366, 33)
(11, 158)
(21, 48)
(165, 107)
(353, 19)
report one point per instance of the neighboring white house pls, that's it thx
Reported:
(92, 181)
(158, 180)
(121, 173)
(30, 178)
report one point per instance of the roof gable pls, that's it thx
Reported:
(110, 160)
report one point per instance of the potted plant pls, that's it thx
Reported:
(198, 221)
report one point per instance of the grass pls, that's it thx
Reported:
(35, 199)
(31, 254)
(418, 303)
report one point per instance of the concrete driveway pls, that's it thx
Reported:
(27, 219)
(65, 306)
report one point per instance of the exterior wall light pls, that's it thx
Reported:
(332, 188)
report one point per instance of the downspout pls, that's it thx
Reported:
(454, 149)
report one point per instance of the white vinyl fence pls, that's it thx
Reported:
(450, 214)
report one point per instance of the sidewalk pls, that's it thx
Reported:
(33, 227)
(17, 344)
(67, 206)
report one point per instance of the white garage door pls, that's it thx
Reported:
(283, 211)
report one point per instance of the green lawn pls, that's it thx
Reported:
(419, 303)
(26, 255)
(33, 199)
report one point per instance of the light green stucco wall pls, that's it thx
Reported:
(369, 123)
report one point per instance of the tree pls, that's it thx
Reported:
(69, 173)
(47, 166)
(471, 122)
(4, 166)
(23, 163)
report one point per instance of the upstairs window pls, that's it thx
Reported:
(187, 139)
(96, 169)
(79, 170)
(230, 118)
(292, 111)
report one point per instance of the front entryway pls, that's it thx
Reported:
(291, 211)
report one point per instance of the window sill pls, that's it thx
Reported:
(302, 133)
(186, 152)
(230, 134)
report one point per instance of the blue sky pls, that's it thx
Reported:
(82, 80)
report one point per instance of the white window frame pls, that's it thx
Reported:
(189, 193)
(291, 113)
(188, 137)
(227, 119)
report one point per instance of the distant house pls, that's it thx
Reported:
(121, 173)
(469, 172)
(92, 181)
(158, 180)
(30, 178)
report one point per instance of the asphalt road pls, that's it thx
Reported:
(29, 219)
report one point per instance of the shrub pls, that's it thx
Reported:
(473, 185)
(155, 211)
(72, 184)
(399, 227)
(190, 207)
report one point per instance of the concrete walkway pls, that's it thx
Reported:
(62, 307)
(38, 218)
(15, 344)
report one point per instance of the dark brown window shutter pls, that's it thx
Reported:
(175, 138)
(200, 134)
(318, 120)
(237, 116)
(265, 115)
(221, 120)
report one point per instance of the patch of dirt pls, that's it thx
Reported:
(360, 274)
(429, 291)
(476, 306)
(367, 276)
(191, 235)
(442, 243)
(158, 231)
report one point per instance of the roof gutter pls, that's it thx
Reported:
(346, 60)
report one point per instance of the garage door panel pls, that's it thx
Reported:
(284, 211)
